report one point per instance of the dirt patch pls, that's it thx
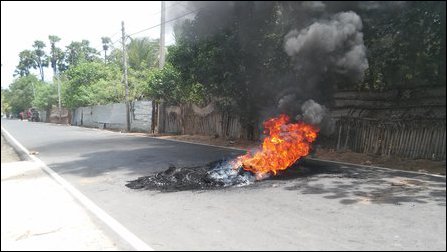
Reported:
(420, 165)
(8, 153)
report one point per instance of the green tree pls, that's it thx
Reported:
(40, 57)
(239, 57)
(78, 52)
(165, 84)
(45, 96)
(105, 46)
(74, 53)
(231, 60)
(406, 48)
(57, 55)
(142, 53)
(5, 106)
(142, 56)
(21, 93)
(116, 57)
(92, 83)
(26, 63)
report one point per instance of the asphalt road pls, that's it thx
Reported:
(315, 206)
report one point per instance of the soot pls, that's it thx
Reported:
(214, 175)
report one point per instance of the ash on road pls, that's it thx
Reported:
(213, 175)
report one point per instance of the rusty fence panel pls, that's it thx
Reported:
(416, 139)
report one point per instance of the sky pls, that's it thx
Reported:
(24, 22)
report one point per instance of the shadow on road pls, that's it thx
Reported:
(353, 184)
(142, 157)
(347, 184)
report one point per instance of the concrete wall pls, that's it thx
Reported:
(113, 116)
(141, 116)
(43, 115)
(53, 116)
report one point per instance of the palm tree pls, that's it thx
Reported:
(55, 55)
(40, 56)
(105, 46)
(26, 63)
(142, 53)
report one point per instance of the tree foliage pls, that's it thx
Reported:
(106, 41)
(56, 55)
(45, 96)
(142, 57)
(26, 63)
(40, 57)
(239, 60)
(5, 106)
(165, 84)
(242, 60)
(78, 52)
(406, 48)
(142, 53)
(21, 93)
(92, 83)
(235, 61)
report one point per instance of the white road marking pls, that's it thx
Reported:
(128, 236)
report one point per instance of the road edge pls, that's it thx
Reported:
(309, 158)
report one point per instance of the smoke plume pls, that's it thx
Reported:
(335, 44)
(322, 47)
(317, 115)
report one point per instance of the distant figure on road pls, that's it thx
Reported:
(21, 116)
(34, 115)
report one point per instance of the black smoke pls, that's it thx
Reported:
(321, 45)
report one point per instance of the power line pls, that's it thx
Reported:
(116, 33)
(115, 41)
(109, 44)
(168, 21)
(185, 6)
(155, 26)
(165, 22)
(168, 7)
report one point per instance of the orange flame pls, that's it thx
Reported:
(283, 146)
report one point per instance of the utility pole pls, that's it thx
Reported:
(59, 94)
(34, 89)
(125, 76)
(161, 63)
(162, 35)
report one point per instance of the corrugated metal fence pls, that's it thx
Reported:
(424, 139)
(186, 119)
